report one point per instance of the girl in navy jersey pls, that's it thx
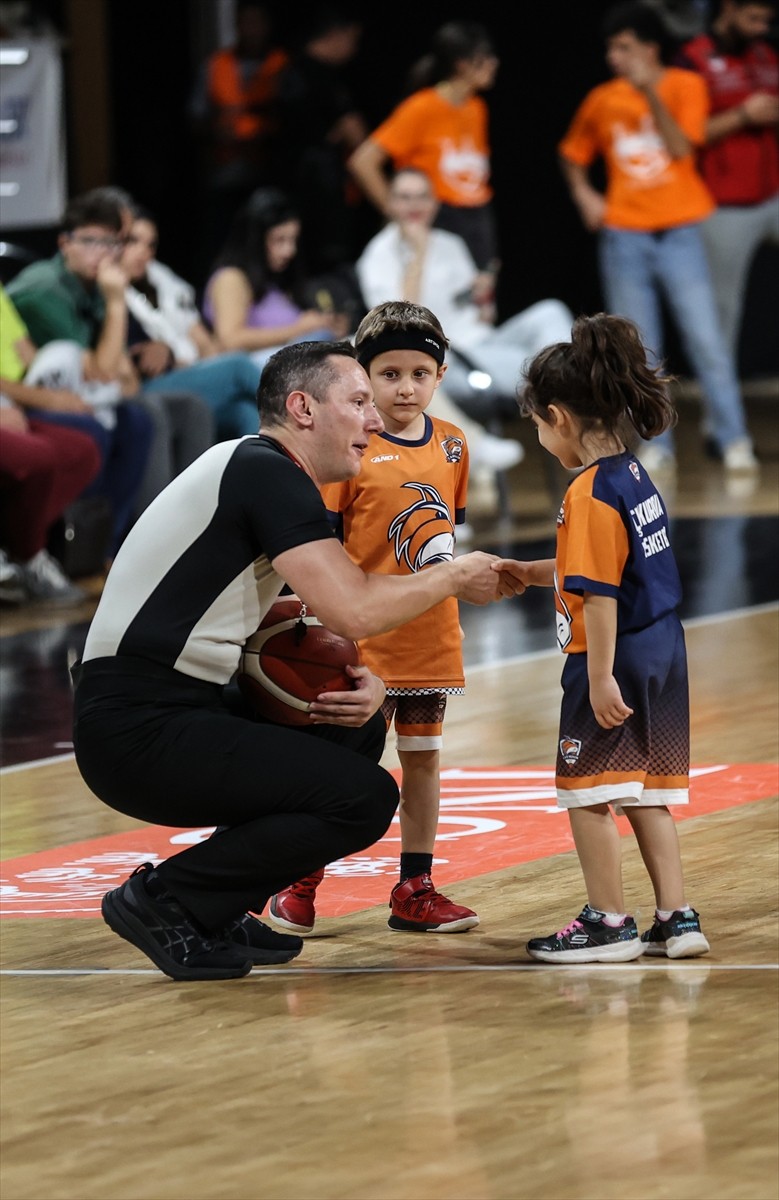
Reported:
(624, 723)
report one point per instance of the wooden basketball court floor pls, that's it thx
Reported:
(381, 1066)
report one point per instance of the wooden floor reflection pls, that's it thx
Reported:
(382, 1066)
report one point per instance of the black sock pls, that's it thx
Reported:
(412, 865)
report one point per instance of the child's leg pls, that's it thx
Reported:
(599, 848)
(419, 800)
(658, 842)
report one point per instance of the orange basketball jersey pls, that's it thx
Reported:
(398, 517)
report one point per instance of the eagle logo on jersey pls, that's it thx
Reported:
(635, 471)
(453, 449)
(423, 533)
(570, 749)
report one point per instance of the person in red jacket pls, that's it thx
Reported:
(740, 158)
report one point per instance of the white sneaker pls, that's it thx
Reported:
(12, 589)
(656, 459)
(496, 453)
(739, 456)
(46, 580)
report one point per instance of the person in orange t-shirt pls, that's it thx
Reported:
(646, 125)
(442, 129)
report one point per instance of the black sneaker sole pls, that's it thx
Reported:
(400, 925)
(262, 958)
(123, 922)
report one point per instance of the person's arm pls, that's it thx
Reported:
(600, 623)
(357, 605)
(204, 341)
(28, 395)
(231, 299)
(588, 200)
(539, 573)
(676, 141)
(106, 358)
(368, 166)
(760, 108)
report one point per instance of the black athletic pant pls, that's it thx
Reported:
(166, 748)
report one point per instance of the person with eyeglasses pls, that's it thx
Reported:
(74, 308)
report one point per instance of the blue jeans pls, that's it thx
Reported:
(227, 383)
(636, 270)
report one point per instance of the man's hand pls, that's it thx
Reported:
(12, 419)
(352, 708)
(111, 279)
(479, 583)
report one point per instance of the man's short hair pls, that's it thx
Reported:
(301, 367)
(92, 208)
(642, 19)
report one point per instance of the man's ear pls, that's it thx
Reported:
(558, 417)
(441, 372)
(299, 407)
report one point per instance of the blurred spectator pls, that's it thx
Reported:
(411, 260)
(740, 158)
(232, 111)
(173, 349)
(319, 125)
(43, 468)
(75, 311)
(442, 128)
(254, 298)
(646, 124)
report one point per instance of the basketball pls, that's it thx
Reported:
(290, 660)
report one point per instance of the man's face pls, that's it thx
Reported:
(343, 422)
(84, 249)
(625, 50)
(747, 21)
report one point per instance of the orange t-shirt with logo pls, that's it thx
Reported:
(646, 188)
(449, 142)
(398, 517)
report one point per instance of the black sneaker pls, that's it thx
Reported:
(259, 943)
(678, 937)
(588, 939)
(166, 934)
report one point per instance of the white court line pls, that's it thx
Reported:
(577, 968)
(532, 656)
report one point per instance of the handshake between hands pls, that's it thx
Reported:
(486, 577)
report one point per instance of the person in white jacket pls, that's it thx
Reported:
(410, 260)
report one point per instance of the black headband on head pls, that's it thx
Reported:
(400, 339)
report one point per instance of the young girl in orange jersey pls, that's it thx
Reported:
(397, 517)
(624, 724)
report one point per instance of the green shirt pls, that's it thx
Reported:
(12, 329)
(54, 303)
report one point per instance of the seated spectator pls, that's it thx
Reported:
(78, 297)
(254, 300)
(43, 468)
(63, 385)
(409, 259)
(172, 348)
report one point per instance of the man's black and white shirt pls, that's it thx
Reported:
(193, 578)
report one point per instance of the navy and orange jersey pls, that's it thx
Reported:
(397, 517)
(612, 540)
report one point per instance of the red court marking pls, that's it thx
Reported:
(491, 818)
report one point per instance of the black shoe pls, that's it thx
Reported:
(588, 939)
(259, 943)
(678, 937)
(166, 934)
